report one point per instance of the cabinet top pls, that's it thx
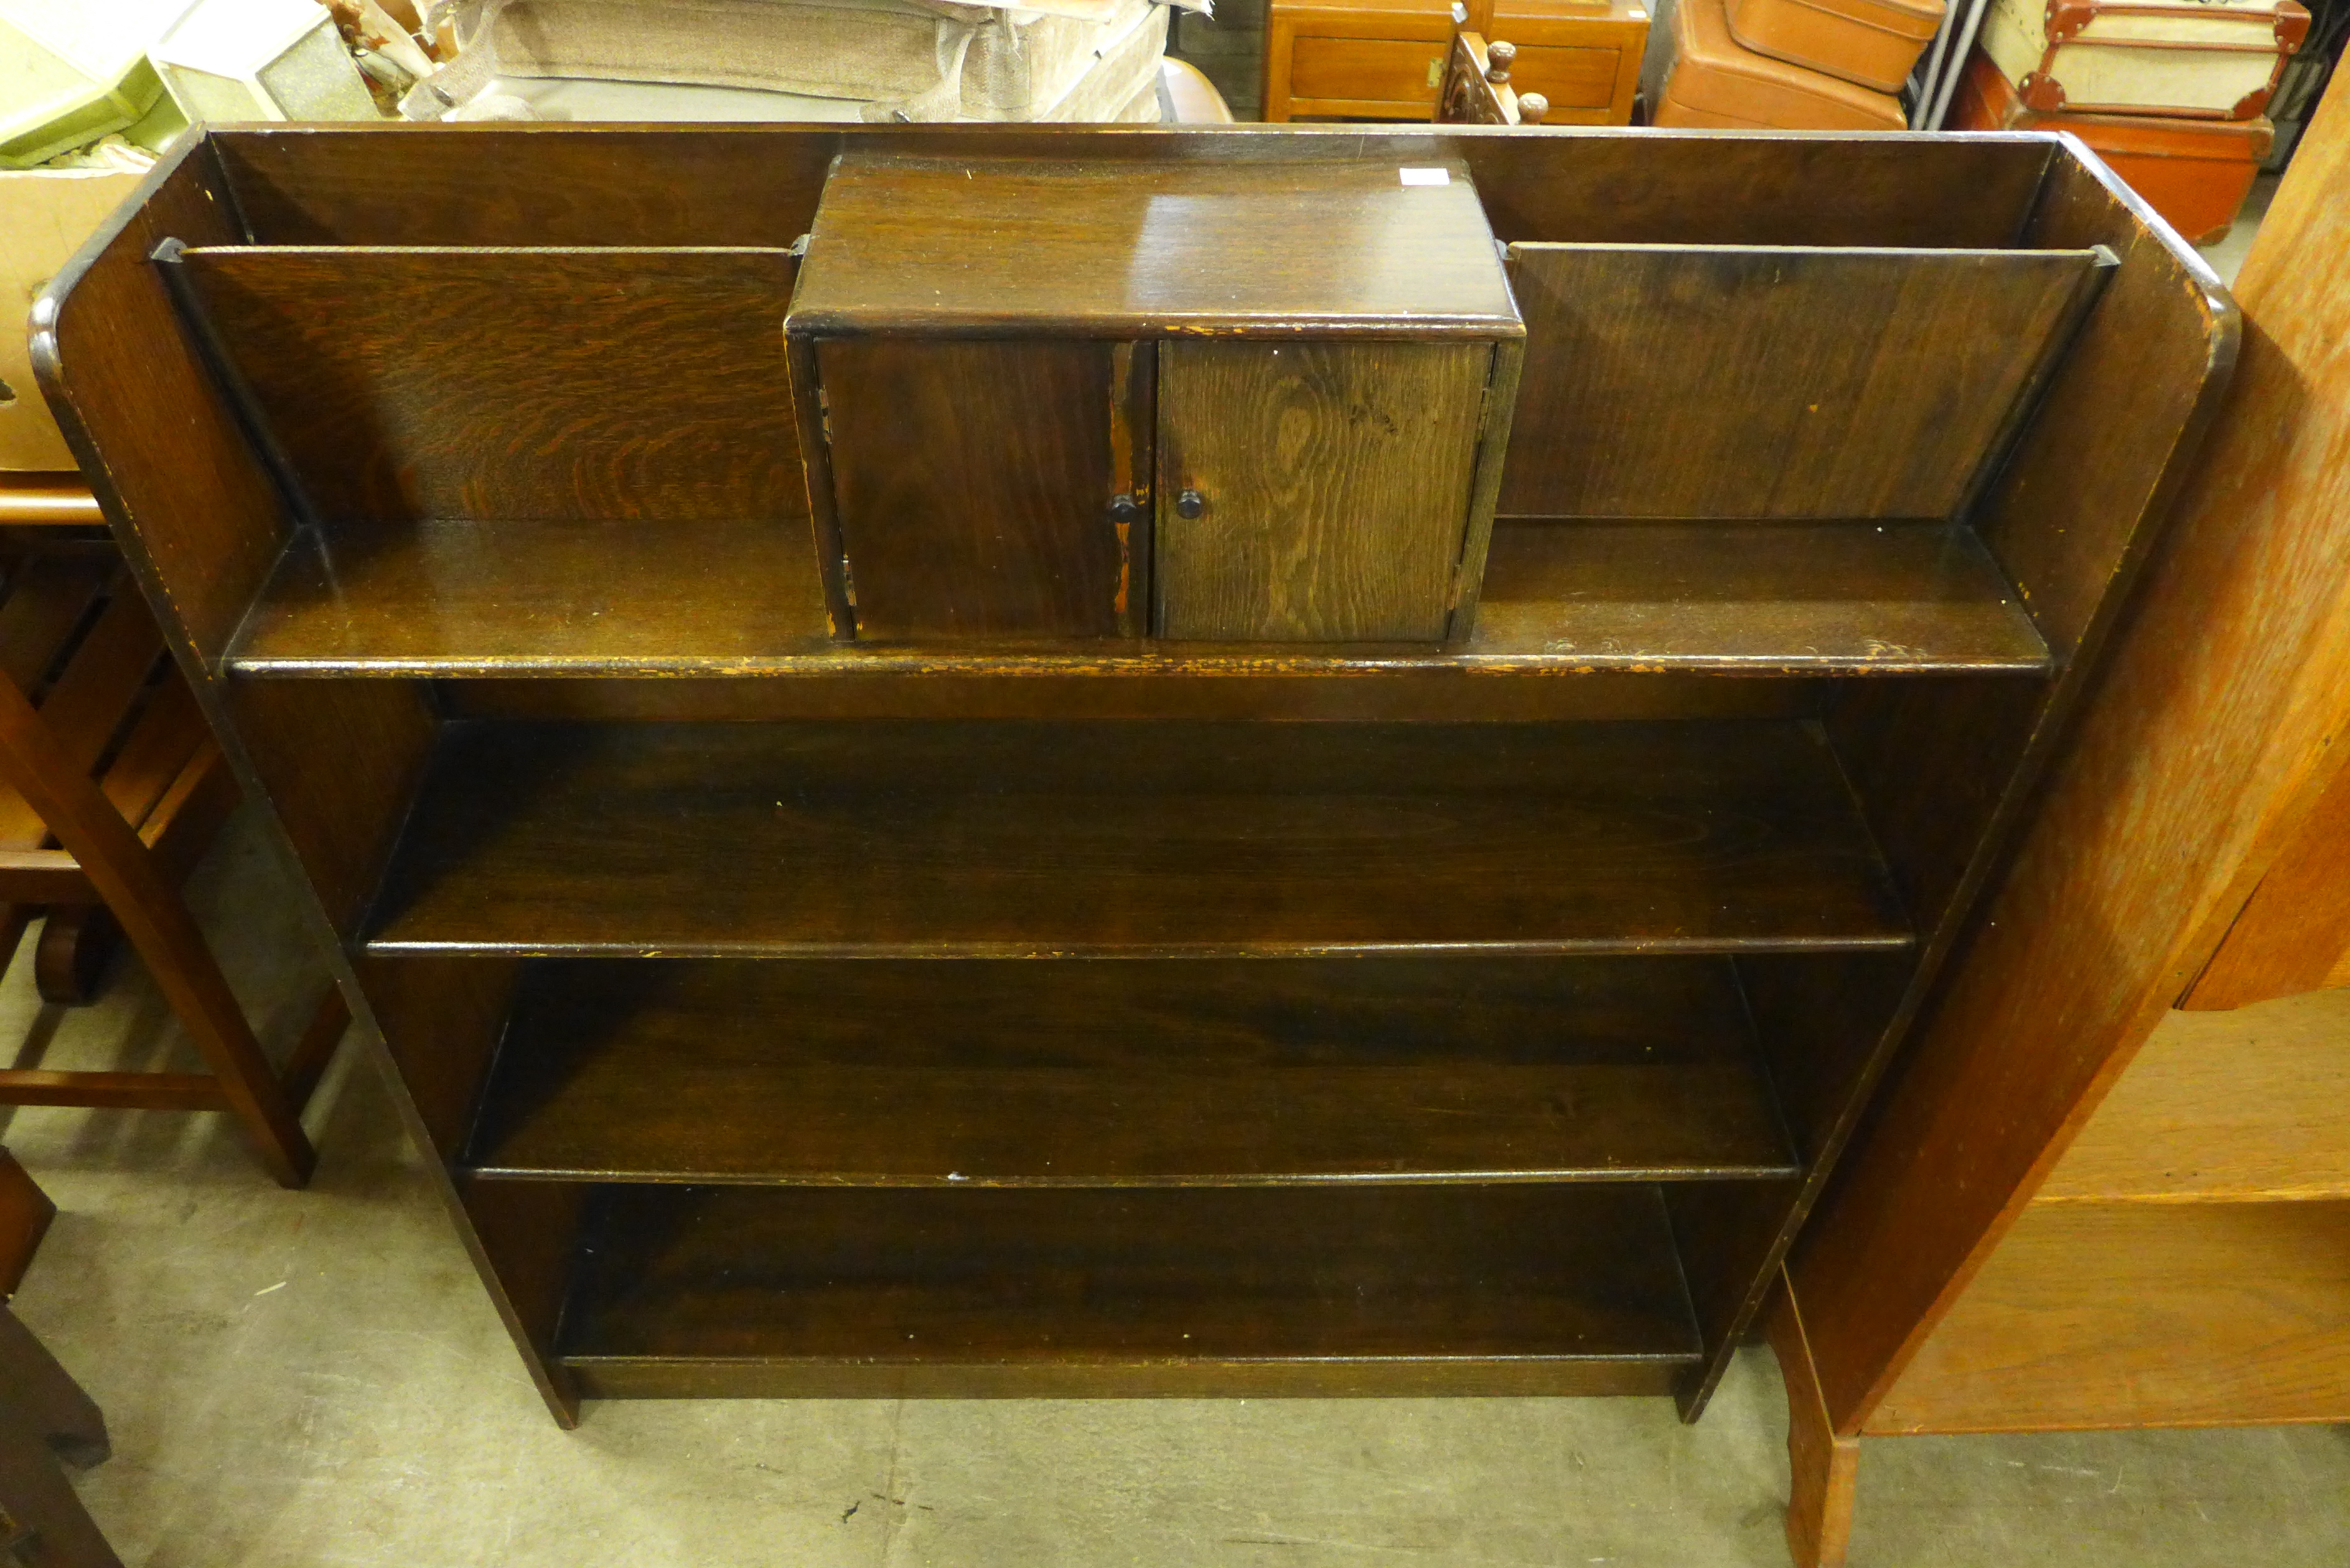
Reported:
(985, 246)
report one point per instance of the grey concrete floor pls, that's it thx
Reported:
(304, 1378)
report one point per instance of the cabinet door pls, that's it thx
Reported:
(1330, 482)
(977, 484)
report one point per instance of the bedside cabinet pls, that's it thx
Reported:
(1382, 60)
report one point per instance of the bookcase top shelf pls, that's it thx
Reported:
(579, 598)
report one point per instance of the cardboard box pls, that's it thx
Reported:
(45, 217)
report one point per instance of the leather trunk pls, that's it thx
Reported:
(2207, 59)
(1871, 43)
(2195, 173)
(1716, 84)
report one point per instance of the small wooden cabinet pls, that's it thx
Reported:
(1382, 60)
(1151, 400)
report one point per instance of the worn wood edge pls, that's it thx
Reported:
(2002, 835)
(1124, 326)
(806, 389)
(407, 947)
(1936, 256)
(1358, 660)
(552, 1383)
(1823, 1463)
(1498, 412)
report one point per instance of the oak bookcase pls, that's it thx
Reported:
(798, 1003)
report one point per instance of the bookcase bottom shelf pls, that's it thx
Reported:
(712, 1291)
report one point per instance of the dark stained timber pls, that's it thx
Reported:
(1130, 1073)
(1904, 597)
(1006, 840)
(759, 1291)
(510, 597)
(1718, 381)
(408, 382)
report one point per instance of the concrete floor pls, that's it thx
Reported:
(297, 1379)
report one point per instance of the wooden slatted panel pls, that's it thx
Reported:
(1683, 381)
(756, 1290)
(1247, 1072)
(405, 383)
(1023, 839)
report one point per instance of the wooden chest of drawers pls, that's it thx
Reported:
(1381, 60)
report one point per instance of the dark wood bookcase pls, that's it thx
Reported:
(854, 911)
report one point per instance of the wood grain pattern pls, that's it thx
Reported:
(982, 840)
(1823, 1464)
(445, 596)
(551, 184)
(2244, 1105)
(1723, 382)
(972, 483)
(1849, 595)
(2136, 860)
(1138, 1288)
(511, 598)
(2293, 934)
(2143, 1315)
(1112, 1072)
(1335, 478)
(114, 357)
(970, 245)
(1381, 70)
(410, 382)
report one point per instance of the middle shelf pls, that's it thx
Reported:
(1129, 1073)
(946, 839)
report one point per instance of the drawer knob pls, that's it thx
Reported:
(1125, 509)
(1191, 503)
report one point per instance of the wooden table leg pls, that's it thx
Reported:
(156, 919)
(45, 1417)
(1824, 1463)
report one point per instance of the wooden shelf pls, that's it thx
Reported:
(736, 1290)
(1119, 1073)
(2136, 1315)
(939, 839)
(2222, 1107)
(1770, 595)
(581, 598)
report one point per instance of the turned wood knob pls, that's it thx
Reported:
(1498, 57)
(1532, 107)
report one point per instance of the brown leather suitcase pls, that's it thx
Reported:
(1873, 43)
(2195, 172)
(2202, 60)
(1717, 85)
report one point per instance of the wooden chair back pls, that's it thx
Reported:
(1476, 89)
